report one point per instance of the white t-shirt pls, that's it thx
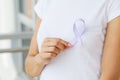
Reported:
(79, 62)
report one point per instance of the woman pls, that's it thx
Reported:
(57, 53)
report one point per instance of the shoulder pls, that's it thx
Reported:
(113, 9)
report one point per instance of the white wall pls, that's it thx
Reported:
(6, 16)
(7, 25)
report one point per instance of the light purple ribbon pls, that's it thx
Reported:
(78, 29)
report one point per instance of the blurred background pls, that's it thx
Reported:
(17, 21)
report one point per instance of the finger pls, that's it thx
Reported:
(50, 50)
(59, 45)
(48, 55)
(67, 44)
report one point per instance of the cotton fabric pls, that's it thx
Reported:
(80, 62)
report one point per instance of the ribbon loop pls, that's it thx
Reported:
(78, 29)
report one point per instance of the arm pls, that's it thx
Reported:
(31, 67)
(51, 47)
(111, 52)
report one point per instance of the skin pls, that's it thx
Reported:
(51, 47)
(37, 60)
(111, 53)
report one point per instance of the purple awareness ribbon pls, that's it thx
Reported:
(78, 29)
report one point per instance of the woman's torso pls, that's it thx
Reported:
(81, 61)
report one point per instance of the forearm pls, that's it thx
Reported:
(33, 68)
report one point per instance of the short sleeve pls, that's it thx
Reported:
(113, 9)
(40, 8)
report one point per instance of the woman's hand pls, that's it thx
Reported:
(51, 47)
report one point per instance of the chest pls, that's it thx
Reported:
(62, 13)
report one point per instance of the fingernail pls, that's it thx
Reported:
(69, 45)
